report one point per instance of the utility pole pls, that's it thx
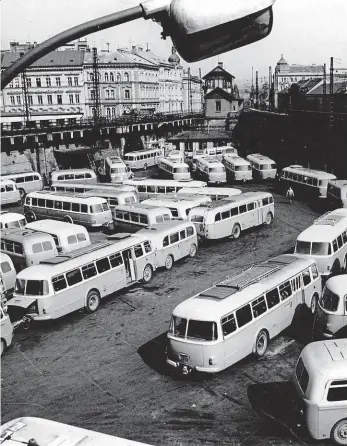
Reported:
(270, 79)
(324, 87)
(331, 93)
(201, 90)
(96, 87)
(189, 92)
(25, 98)
(256, 90)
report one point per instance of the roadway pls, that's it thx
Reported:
(106, 371)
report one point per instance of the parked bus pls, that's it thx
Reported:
(26, 247)
(131, 218)
(6, 331)
(9, 192)
(331, 320)
(326, 242)
(337, 193)
(12, 220)
(67, 236)
(174, 169)
(239, 315)
(89, 211)
(142, 159)
(172, 240)
(225, 218)
(8, 275)
(85, 187)
(179, 205)
(26, 182)
(218, 152)
(79, 279)
(263, 167)
(42, 432)
(210, 169)
(321, 386)
(114, 197)
(216, 193)
(114, 169)
(304, 181)
(74, 176)
(148, 188)
(238, 169)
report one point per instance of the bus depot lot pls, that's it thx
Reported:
(107, 372)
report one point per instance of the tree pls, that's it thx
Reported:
(264, 95)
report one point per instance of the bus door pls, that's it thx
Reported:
(252, 215)
(129, 265)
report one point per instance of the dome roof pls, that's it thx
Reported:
(174, 58)
(282, 61)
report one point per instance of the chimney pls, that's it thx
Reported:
(220, 64)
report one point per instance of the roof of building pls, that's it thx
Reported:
(196, 135)
(222, 93)
(282, 61)
(55, 58)
(149, 56)
(118, 57)
(217, 71)
(339, 87)
(313, 69)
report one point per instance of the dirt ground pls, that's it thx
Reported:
(106, 371)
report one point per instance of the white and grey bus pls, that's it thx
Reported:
(89, 211)
(239, 315)
(26, 182)
(142, 159)
(238, 169)
(74, 176)
(209, 169)
(228, 217)
(114, 197)
(79, 279)
(131, 218)
(337, 193)
(148, 188)
(12, 220)
(115, 169)
(176, 170)
(263, 167)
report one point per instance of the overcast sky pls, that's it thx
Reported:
(304, 31)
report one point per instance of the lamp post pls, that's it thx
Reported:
(198, 28)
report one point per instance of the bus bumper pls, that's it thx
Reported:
(186, 369)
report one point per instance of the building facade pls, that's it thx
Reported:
(192, 92)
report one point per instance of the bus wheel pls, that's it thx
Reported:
(22, 193)
(336, 267)
(268, 219)
(314, 302)
(31, 216)
(168, 262)
(345, 263)
(338, 433)
(261, 343)
(193, 250)
(68, 219)
(3, 346)
(92, 302)
(236, 231)
(147, 273)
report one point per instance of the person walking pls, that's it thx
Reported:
(290, 194)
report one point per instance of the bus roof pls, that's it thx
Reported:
(338, 183)
(114, 160)
(235, 159)
(141, 152)
(230, 191)
(87, 185)
(18, 235)
(164, 227)
(259, 157)
(64, 262)
(326, 227)
(20, 174)
(109, 193)
(237, 199)
(55, 226)
(4, 180)
(338, 284)
(75, 197)
(66, 171)
(8, 217)
(140, 207)
(240, 288)
(320, 174)
(6, 258)
(170, 199)
(172, 183)
(173, 162)
(209, 160)
(328, 358)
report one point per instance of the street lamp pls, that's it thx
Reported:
(198, 28)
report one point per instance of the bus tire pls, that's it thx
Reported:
(261, 343)
(336, 267)
(236, 231)
(169, 262)
(3, 346)
(345, 263)
(268, 219)
(193, 250)
(338, 434)
(92, 301)
(22, 193)
(68, 219)
(314, 303)
(31, 216)
(147, 273)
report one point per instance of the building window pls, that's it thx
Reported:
(119, 77)
(49, 99)
(19, 100)
(75, 79)
(16, 82)
(28, 81)
(112, 94)
(77, 98)
(113, 112)
(59, 99)
(127, 94)
(107, 93)
(93, 111)
(218, 106)
(92, 94)
(91, 77)
(126, 77)
(12, 100)
(71, 98)
(38, 82)
(111, 77)
(30, 100)
(39, 99)
(106, 77)
(57, 81)
(69, 81)
(108, 112)
(48, 81)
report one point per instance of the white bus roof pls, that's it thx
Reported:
(8, 217)
(209, 160)
(108, 192)
(320, 174)
(230, 191)
(338, 284)
(47, 433)
(174, 199)
(65, 262)
(326, 227)
(260, 158)
(6, 258)
(4, 180)
(141, 152)
(55, 226)
(225, 203)
(19, 174)
(164, 227)
(114, 160)
(20, 235)
(87, 186)
(240, 288)
(141, 207)
(172, 183)
(235, 159)
(328, 358)
(338, 183)
(173, 162)
(74, 198)
(66, 171)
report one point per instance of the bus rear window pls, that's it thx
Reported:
(206, 331)
(320, 249)
(178, 326)
(303, 247)
(32, 287)
(302, 376)
(329, 301)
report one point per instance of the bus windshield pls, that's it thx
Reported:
(242, 168)
(181, 170)
(118, 170)
(302, 376)
(16, 224)
(267, 166)
(197, 218)
(303, 247)
(31, 287)
(217, 169)
(320, 249)
(206, 331)
(329, 300)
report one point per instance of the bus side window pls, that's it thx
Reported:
(344, 237)
(144, 219)
(243, 209)
(259, 306)
(265, 201)
(47, 246)
(58, 205)
(339, 241)
(306, 277)
(5, 267)
(59, 283)
(147, 246)
(182, 234)
(285, 290)
(166, 241)
(225, 215)
(228, 324)
(335, 247)
(190, 231)
(337, 391)
(234, 211)
(141, 188)
(314, 271)
(103, 265)
(272, 298)
(74, 277)
(244, 315)
(174, 238)
(37, 247)
(138, 251)
(217, 217)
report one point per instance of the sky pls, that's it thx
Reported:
(304, 31)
